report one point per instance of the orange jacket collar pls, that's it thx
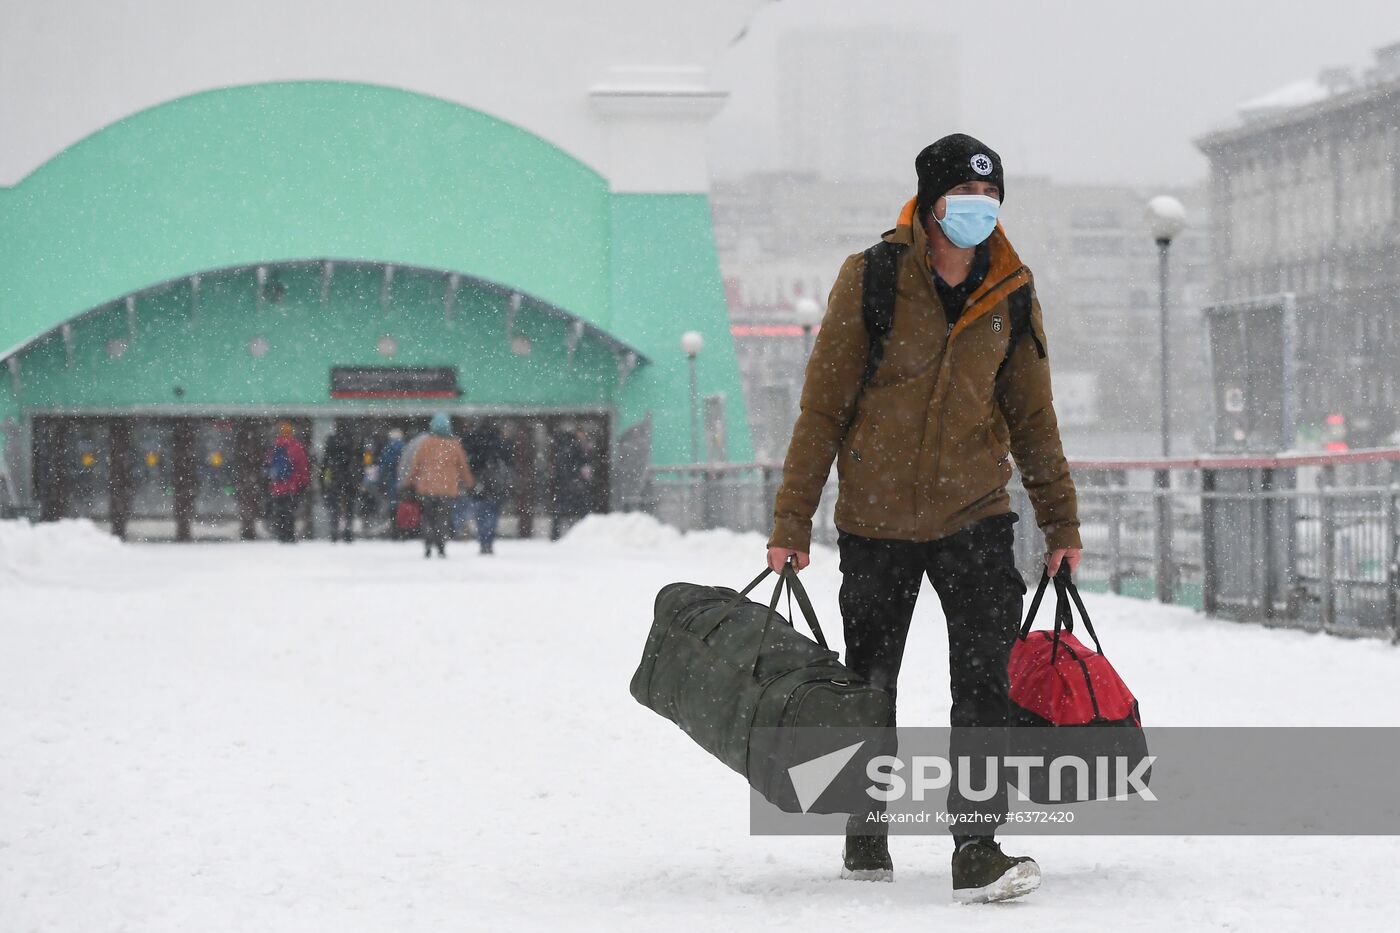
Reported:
(1005, 273)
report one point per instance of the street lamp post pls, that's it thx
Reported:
(691, 344)
(1165, 219)
(809, 315)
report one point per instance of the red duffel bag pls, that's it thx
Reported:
(409, 515)
(1057, 681)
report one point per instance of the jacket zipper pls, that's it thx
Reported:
(989, 291)
(938, 375)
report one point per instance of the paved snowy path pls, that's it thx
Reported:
(251, 737)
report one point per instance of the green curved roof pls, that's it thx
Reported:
(278, 172)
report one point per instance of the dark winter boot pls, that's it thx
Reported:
(866, 857)
(983, 873)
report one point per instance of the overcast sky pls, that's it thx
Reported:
(1083, 90)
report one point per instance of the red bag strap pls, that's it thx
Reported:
(1063, 585)
(1035, 605)
(1065, 593)
(1062, 614)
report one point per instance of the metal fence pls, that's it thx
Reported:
(1306, 541)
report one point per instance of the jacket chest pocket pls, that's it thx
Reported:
(982, 347)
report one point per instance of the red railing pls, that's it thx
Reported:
(1240, 461)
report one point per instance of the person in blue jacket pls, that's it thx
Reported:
(389, 457)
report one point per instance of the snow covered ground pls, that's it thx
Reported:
(240, 737)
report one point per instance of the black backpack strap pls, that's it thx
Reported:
(1019, 305)
(877, 300)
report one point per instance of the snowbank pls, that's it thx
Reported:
(642, 532)
(51, 549)
(631, 530)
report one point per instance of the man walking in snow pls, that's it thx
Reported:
(923, 415)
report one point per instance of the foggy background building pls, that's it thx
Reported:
(854, 102)
(1307, 199)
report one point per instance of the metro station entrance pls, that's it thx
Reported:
(187, 478)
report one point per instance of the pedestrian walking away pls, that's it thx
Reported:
(575, 475)
(342, 472)
(438, 473)
(494, 481)
(289, 476)
(388, 462)
(929, 375)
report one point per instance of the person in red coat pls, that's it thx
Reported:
(289, 475)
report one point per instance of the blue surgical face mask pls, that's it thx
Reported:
(969, 219)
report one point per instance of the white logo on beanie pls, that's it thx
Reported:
(982, 164)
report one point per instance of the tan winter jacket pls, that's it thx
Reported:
(439, 468)
(926, 448)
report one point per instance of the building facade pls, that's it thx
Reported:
(226, 255)
(1305, 193)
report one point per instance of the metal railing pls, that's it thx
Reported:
(1307, 541)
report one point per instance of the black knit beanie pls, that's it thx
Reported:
(953, 160)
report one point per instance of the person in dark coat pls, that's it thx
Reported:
(574, 473)
(289, 476)
(495, 478)
(342, 472)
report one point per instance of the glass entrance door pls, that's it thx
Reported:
(87, 459)
(216, 470)
(151, 476)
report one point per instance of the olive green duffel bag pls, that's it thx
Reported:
(751, 690)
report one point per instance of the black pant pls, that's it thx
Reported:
(437, 521)
(974, 573)
(340, 506)
(283, 512)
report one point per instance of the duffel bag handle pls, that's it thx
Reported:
(1065, 591)
(1063, 584)
(708, 630)
(795, 589)
(804, 603)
